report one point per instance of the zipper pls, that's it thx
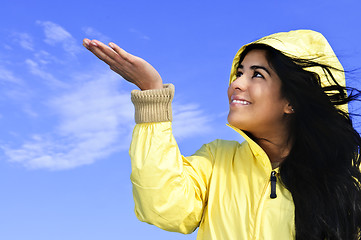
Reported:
(271, 181)
(273, 184)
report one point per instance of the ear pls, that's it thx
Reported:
(289, 109)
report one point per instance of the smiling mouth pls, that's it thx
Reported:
(242, 102)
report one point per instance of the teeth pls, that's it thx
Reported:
(241, 102)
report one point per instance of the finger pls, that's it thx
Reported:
(105, 49)
(102, 51)
(86, 42)
(121, 52)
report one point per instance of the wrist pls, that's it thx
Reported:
(153, 105)
(150, 86)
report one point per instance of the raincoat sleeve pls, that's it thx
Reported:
(169, 190)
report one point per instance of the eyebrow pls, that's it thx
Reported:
(256, 67)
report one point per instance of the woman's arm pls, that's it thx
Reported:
(170, 191)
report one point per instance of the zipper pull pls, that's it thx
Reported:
(273, 184)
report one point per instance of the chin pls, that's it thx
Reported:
(230, 120)
(234, 121)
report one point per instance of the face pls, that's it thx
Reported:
(255, 101)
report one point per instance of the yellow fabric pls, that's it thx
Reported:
(224, 188)
(306, 44)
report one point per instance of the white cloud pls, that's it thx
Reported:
(44, 58)
(92, 33)
(35, 69)
(24, 40)
(96, 106)
(55, 34)
(29, 111)
(8, 76)
(94, 121)
(189, 121)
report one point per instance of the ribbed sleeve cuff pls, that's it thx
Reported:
(153, 105)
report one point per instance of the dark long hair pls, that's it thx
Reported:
(322, 170)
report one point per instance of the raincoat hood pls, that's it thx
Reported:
(305, 44)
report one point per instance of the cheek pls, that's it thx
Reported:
(270, 102)
(273, 109)
(229, 93)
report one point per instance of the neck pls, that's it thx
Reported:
(277, 146)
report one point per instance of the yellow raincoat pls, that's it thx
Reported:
(225, 187)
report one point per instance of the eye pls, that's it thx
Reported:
(257, 75)
(238, 74)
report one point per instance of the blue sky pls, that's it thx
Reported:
(66, 119)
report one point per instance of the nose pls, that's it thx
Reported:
(241, 83)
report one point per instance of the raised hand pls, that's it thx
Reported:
(131, 68)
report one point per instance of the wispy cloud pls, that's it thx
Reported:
(93, 33)
(189, 120)
(94, 121)
(55, 34)
(43, 57)
(13, 86)
(8, 76)
(24, 40)
(50, 80)
(27, 109)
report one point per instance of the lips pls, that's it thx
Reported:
(243, 102)
(239, 101)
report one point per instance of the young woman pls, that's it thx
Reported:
(295, 177)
